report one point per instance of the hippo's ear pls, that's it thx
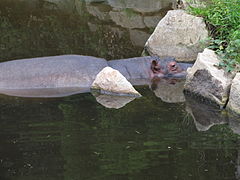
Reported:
(154, 63)
(155, 66)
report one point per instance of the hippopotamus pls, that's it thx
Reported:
(149, 67)
(69, 74)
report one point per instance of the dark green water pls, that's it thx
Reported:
(76, 137)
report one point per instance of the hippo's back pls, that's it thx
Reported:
(136, 70)
(132, 68)
(50, 72)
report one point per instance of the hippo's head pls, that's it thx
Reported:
(165, 68)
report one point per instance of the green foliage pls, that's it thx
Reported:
(223, 18)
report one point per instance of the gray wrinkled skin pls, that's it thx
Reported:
(137, 73)
(72, 72)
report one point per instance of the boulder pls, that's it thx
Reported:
(178, 35)
(204, 79)
(111, 81)
(234, 98)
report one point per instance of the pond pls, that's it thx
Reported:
(162, 135)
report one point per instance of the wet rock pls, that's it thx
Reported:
(205, 115)
(114, 102)
(66, 5)
(234, 98)
(169, 90)
(99, 12)
(206, 80)
(152, 21)
(127, 20)
(111, 81)
(144, 6)
(178, 35)
(138, 37)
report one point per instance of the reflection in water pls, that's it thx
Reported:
(77, 138)
(115, 102)
(204, 115)
(169, 90)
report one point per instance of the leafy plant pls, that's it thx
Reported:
(223, 20)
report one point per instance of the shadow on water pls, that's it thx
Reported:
(159, 136)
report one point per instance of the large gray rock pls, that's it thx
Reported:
(111, 81)
(127, 21)
(234, 98)
(178, 35)
(206, 80)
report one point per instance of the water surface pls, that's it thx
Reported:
(158, 136)
(77, 138)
